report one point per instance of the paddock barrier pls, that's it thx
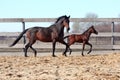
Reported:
(102, 41)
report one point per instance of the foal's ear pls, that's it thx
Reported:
(92, 26)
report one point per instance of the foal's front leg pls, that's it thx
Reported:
(83, 48)
(90, 47)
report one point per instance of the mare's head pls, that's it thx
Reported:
(64, 20)
(92, 30)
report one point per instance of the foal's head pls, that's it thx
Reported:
(92, 30)
(64, 20)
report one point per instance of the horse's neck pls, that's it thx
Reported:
(87, 33)
(59, 28)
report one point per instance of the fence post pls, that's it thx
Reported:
(24, 40)
(112, 31)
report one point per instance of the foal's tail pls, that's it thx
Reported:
(65, 37)
(18, 38)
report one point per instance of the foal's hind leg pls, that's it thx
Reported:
(70, 50)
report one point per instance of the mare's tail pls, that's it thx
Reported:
(18, 38)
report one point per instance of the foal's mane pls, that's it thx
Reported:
(88, 29)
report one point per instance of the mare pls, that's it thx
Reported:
(81, 38)
(54, 33)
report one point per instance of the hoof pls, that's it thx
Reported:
(35, 55)
(54, 56)
(26, 56)
(70, 52)
(88, 53)
(82, 55)
(64, 55)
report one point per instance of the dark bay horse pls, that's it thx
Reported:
(53, 33)
(81, 38)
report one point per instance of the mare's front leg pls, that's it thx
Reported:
(90, 47)
(67, 46)
(35, 52)
(54, 44)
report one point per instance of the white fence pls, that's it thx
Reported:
(109, 40)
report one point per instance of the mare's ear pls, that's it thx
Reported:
(69, 16)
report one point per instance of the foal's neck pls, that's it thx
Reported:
(87, 33)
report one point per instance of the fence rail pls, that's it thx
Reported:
(53, 19)
(112, 36)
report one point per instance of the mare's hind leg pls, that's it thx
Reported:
(32, 40)
(90, 47)
(35, 52)
(26, 48)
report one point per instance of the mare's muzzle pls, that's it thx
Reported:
(68, 29)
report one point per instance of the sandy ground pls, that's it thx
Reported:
(74, 67)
